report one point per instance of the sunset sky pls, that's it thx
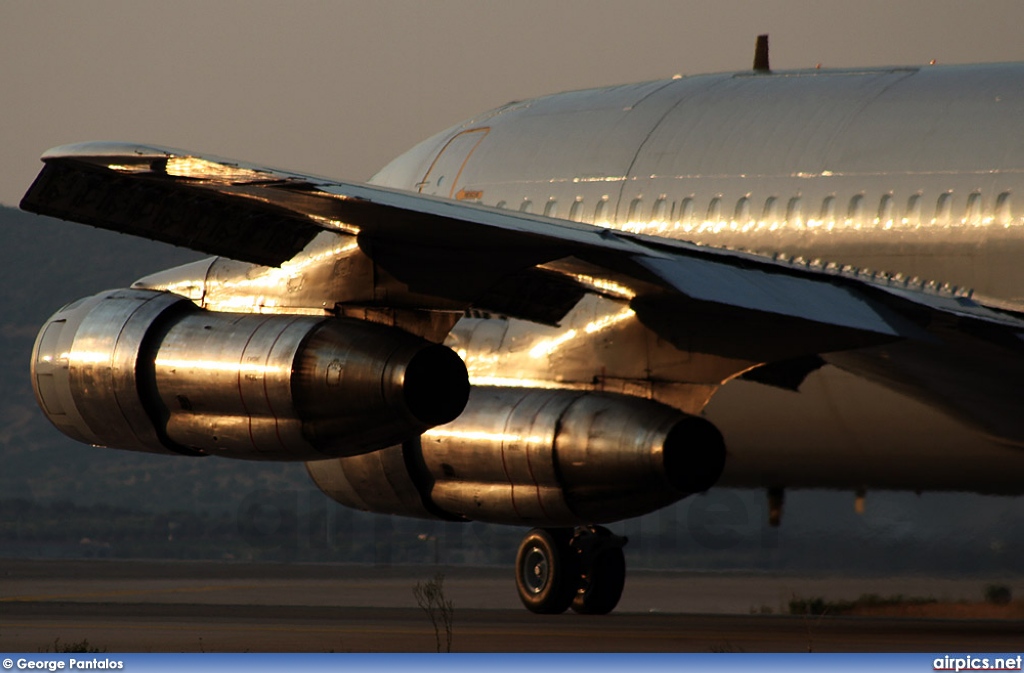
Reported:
(339, 88)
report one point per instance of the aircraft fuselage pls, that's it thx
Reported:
(914, 173)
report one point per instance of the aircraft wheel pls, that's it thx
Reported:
(603, 573)
(547, 573)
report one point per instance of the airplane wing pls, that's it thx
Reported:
(702, 299)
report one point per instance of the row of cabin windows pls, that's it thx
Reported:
(779, 210)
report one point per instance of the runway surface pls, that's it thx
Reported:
(220, 607)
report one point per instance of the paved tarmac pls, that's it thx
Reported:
(227, 607)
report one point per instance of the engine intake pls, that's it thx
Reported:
(150, 371)
(536, 457)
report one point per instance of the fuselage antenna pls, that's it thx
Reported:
(761, 55)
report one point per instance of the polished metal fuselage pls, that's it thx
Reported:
(912, 171)
(915, 172)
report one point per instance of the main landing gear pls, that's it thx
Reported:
(559, 568)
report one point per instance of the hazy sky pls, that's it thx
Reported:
(339, 88)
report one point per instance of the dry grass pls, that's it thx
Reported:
(940, 610)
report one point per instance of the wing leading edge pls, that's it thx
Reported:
(703, 299)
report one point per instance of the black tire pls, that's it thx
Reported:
(603, 580)
(547, 573)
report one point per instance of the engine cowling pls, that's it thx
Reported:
(150, 371)
(536, 457)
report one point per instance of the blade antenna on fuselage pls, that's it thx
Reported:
(761, 55)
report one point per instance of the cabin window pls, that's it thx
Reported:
(600, 217)
(770, 214)
(501, 204)
(944, 208)
(886, 210)
(551, 208)
(635, 210)
(714, 213)
(855, 211)
(973, 213)
(526, 206)
(741, 214)
(795, 211)
(686, 211)
(828, 210)
(658, 211)
(1004, 214)
(913, 216)
(576, 210)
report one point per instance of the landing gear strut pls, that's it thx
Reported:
(558, 568)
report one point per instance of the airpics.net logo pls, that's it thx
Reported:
(969, 663)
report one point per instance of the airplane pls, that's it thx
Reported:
(580, 308)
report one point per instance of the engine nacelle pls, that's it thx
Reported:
(536, 457)
(150, 371)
